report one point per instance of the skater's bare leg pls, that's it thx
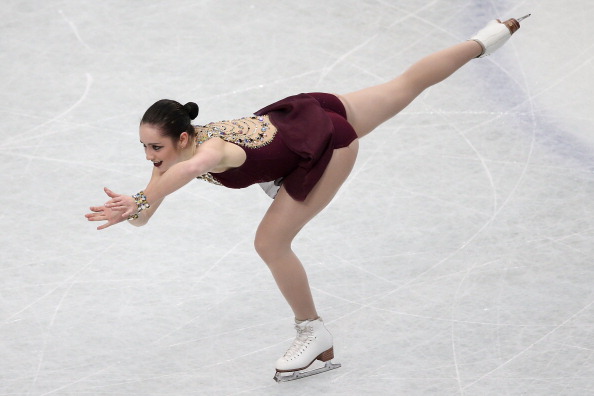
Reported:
(366, 109)
(285, 218)
(369, 107)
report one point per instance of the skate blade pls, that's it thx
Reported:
(279, 377)
(522, 18)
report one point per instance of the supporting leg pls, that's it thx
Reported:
(285, 218)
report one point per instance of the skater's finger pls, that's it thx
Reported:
(110, 193)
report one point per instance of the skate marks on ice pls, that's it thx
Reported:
(472, 272)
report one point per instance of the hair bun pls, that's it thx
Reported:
(192, 109)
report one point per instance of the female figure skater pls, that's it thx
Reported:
(306, 143)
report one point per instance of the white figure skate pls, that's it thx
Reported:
(313, 342)
(495, 34)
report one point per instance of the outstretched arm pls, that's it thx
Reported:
(210, 156)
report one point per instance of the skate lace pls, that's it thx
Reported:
(304, 336)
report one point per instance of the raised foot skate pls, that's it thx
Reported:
(495, 34)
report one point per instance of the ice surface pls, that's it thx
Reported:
(456, 260)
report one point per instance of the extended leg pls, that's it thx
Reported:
(369, 107)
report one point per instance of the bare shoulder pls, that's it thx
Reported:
(231, 155)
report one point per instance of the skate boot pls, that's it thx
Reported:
(313, 342)
(495, 34)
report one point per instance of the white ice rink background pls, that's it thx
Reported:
(458, 259)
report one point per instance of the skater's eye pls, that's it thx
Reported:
(154, 146)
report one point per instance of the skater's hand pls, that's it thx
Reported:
(114, 211)
(122, 203)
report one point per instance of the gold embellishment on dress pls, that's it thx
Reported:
(251, 132)
(210, 178)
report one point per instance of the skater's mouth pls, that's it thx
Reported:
(158, 163)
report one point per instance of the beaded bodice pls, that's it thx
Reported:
(250, 132)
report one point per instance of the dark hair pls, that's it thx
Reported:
(171, 117)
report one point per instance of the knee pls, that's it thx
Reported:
(270, 248)
(261, 246)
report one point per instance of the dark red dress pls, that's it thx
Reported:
(309, 127)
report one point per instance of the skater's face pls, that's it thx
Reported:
(161, 150)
